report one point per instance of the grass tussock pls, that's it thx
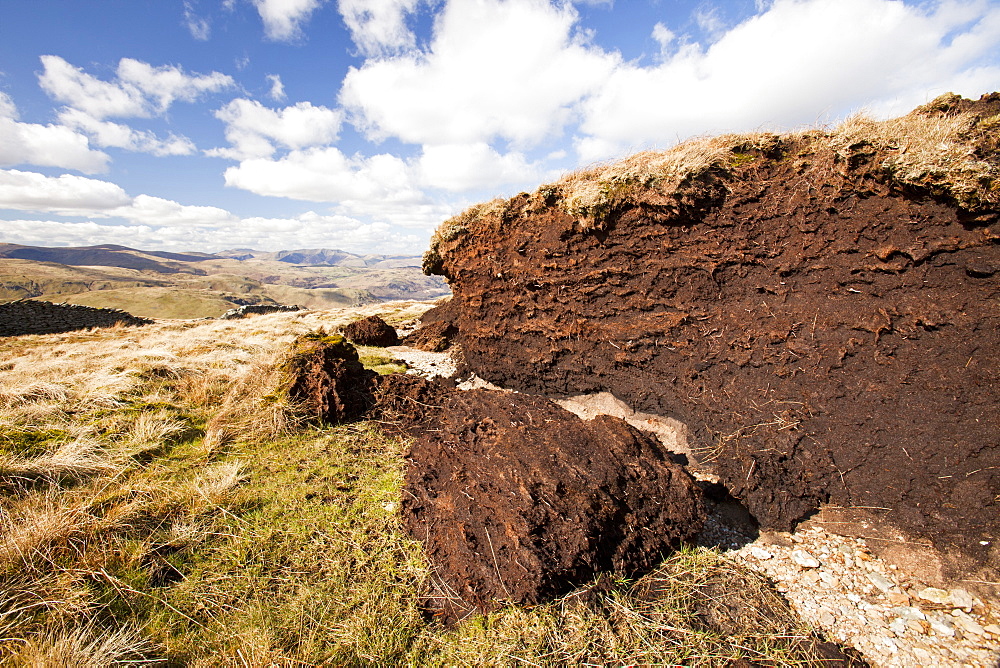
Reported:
(155, 509)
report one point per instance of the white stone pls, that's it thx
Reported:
(962, 599)
(898, 626)
(804, 560)
(922, 654)
(760, 553)
(992, 629)
(969, 625)
(881, 582)
(935, 595)
(942, 626)
(907, 612)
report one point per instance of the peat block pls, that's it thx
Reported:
(328, 379)
(518, 500)
(371, 331)
(433, 337)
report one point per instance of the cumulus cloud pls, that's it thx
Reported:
(117, 135)
(776, 70)
(139, 89)
(510, 70)
(253, 130)
(378, 27)
(67, 195)
(464, 167)
(277, 92)
(283, 19)
(44, 145)
(156, 211)
(325, 175)
(309, 230)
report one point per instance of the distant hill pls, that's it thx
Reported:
(315, 257)
(195, 285)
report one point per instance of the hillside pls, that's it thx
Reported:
(164, 503)
(177, 285)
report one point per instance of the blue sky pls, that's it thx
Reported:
(279, 124)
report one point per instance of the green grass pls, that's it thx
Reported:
(127, 534)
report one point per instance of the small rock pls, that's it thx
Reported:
(992, 629)
(760, 553)
(898, 626)
(907, 613)
(922, 654)
(962, 599)
(898, 598)
(934, 595)
(969, 625)
(390, 507)
(826, 618)
(942, 626)
(804, 560)
(829, 579)
(916, 627)
(881, 582)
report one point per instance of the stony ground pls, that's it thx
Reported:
(838, 584)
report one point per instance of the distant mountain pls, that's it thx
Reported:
(110, 255)
(323, 257)
(106, 255)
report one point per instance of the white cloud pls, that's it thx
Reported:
(44, 145)
(88, 233)
(253, 129)
(663, 36)
(139, 90)
(378, 27)
(494, 69)
(117, 135)
(708, 19)
(162, 86)
(277, 92)
(309, 230)
(325, 175)
(66, 195)
(196, 25)
(283, 19)
(463, 167)
(163, 212)
(779, 69)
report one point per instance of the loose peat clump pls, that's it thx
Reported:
(371, 331)
(328, 380)
(518, 500)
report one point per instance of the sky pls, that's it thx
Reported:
(204, 125)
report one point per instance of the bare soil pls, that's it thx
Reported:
(371, 331)
(826, 336)
(518, 500)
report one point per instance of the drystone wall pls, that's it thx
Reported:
(35, 317)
